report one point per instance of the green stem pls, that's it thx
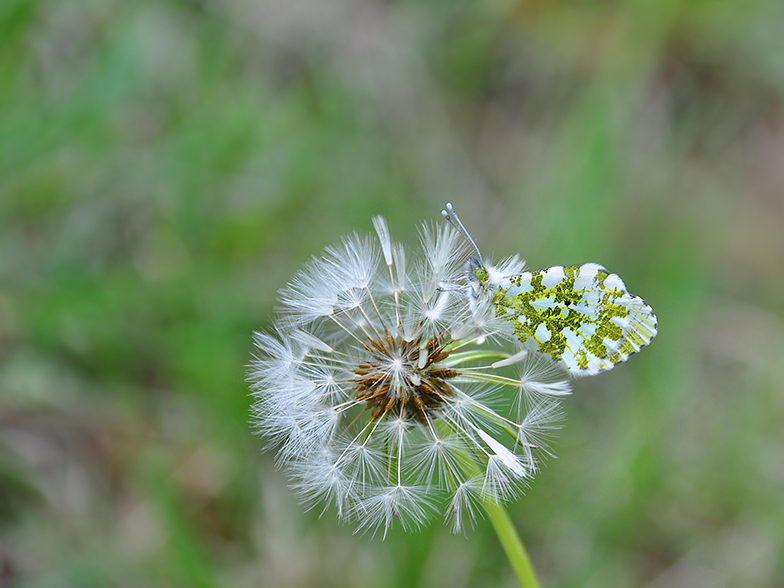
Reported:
(513, 546)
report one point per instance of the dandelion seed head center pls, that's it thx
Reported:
(404, 376)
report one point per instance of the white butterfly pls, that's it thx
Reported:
(581, 315)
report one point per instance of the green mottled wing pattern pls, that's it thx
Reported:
(581, 315)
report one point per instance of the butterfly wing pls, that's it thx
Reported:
(581, 315)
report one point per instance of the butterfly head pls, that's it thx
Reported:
(475, 271)
(483, 280)
(478, 277)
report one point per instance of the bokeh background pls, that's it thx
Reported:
(166, 165)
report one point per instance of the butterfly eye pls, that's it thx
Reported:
(481, 275)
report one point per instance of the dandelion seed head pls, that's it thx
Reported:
(365, 391)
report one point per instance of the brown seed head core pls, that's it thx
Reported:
(403, 377)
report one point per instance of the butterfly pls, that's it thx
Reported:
(580, 315)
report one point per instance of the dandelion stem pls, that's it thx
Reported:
(512, 544)
(507, 534)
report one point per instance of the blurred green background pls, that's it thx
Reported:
(166, 165)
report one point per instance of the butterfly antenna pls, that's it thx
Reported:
(451, 216)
